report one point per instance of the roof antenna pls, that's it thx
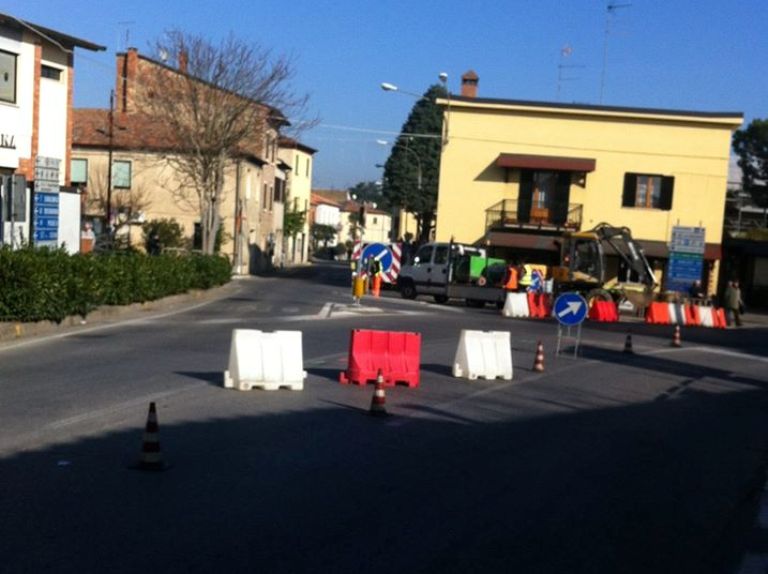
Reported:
(610, 9)
(565, 52)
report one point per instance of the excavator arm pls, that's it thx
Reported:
(621, 242)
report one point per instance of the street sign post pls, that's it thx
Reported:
(570, 310)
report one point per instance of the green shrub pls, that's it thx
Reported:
(168, 232)
(44, 284)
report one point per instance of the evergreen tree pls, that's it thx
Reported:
(412, 170)
(751, 145)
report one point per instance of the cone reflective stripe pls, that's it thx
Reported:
(379, 399)
(538, 363)
(676, 337)
(628, 344)
(151, 455)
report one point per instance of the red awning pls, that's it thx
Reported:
(545, 162)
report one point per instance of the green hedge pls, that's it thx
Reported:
(49, 285)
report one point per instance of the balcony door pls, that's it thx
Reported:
(543, 197)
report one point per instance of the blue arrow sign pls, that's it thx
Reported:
(380, 252)
(570, 309)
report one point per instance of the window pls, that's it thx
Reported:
(424, 254)
(50, 72)
(264, 198)
(648, 191)
(7, 77)
(79, 170)
(441, 255)
(296, 166)
(308, 160)
(121, 174)
(375, 220)
(543, 188)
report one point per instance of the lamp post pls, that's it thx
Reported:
(444, 81)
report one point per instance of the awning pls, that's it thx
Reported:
(545, 162)
(523, 240)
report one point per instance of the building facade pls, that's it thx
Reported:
(36, 90)
(517, 174)
(300, 159)
(147, 184)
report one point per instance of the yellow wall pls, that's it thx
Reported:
(693, 149)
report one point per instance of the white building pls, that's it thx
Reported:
(36, 85)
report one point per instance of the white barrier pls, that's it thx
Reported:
(676, 314)
(265, 360)
(486, 354)
(516, 305)
(705, 316)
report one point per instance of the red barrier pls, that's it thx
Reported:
(692, 316)
(657, 313)
(396, 354)
(604, 311)
(718, 318)
(538, 305)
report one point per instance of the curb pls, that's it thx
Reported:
(17, 330)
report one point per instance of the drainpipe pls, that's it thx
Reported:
(238, 259)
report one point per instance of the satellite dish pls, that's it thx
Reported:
(163, 55)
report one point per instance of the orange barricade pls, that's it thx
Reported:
(545, 305)
(538, 305)
(657, 314)
(692, 317)
(718, 316)
(396, 354)
(604, 311)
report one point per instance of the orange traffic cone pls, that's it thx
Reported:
(151, 455)
(628, 344)
(676, 337)
(538, 363)
(376, 285)
(379, 399)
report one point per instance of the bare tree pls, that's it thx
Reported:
(128, 203)
(216, 102)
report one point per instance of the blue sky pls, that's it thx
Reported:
(705, 55)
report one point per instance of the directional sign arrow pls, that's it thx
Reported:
(572, 308)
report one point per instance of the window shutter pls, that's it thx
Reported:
(562, 193)
(667, 185)
(525, 197)
(630, 188)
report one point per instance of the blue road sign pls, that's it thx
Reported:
(380, 252)
(570, 309)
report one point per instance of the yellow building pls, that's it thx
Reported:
(298, 196)
(517, 174)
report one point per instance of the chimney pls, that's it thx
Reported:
(469, 84)
(183, 60)
(127, 68)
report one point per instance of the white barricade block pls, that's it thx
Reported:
(515, 305)
(485, 354)
(705, 316)
(265, 360)
(676, 314)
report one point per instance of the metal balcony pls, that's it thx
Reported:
(504, 216)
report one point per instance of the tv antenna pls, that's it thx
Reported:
(565, 52)
(610, 10)
(124, 36)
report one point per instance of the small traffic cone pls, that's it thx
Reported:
(379, 398)
(628, 345)
(151, 455)
(376, 285)
(676, 337)
(538, 363)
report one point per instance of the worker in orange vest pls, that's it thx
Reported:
(511, 278)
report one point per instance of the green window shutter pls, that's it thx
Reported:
(630, 187)
(525, 197)
(667, 186)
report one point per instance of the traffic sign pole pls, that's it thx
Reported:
(570, 310)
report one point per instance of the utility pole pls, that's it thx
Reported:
(610, 9)
(111, 137)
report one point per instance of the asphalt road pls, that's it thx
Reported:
(603, 463)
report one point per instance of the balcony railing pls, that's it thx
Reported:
(504, 215)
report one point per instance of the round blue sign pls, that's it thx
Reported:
(380, 252)
(570, 309)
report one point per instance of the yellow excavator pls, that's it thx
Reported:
(585, 268)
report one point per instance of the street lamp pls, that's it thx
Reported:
(387, 87)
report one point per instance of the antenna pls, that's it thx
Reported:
(565, 52)
(610, 9)
(124, 42)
